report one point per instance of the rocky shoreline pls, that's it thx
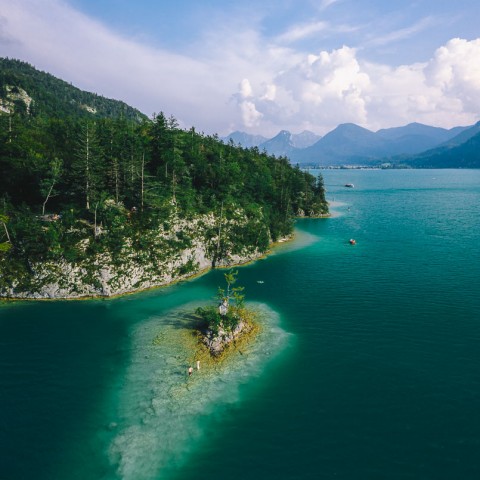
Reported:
(104, 276)
(217, 343)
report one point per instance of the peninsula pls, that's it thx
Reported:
(96, 199)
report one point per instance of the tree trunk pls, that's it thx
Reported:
(219, 230)
(95, 222)
(48, 196)
(6, 231)
(87, 170)
(117, 180)
(143, 178)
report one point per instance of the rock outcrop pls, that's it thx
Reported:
(217, 342)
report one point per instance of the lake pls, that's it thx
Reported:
(367, 367)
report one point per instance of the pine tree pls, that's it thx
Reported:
(87, 165)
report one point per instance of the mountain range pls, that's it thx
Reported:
(283, 144)
(414, 145)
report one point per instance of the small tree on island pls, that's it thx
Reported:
(231, 306)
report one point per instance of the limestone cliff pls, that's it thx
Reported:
(183, 249)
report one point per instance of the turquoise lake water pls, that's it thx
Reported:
(368, 365)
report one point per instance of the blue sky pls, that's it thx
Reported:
(261, 66)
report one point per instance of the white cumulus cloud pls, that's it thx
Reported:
(319, 91)
(245, 88)
(455, 70)
(324, 89)
(250, 114)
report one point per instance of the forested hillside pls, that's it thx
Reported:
(465, 155)
(76, 185)
(27, 90)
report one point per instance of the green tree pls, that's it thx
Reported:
(87, 166)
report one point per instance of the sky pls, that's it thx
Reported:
(261, 66)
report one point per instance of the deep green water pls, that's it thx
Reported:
(368, 366)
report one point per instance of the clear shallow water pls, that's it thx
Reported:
(369, 366)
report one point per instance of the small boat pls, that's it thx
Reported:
(349, 185)
(260, 281)
(352, 241)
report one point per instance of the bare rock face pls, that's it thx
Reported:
(101, 276)
(217, 343)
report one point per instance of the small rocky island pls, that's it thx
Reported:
(228, 323)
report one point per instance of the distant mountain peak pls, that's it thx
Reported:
(349, 125)
(246, 140)
(305, 139)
